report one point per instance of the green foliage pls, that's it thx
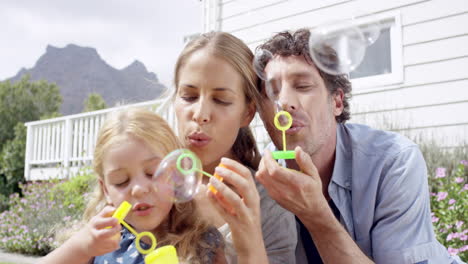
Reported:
(3, 202)
(94, 102)
(449, 205)
(73, 189)
(25, 101)
(12, 160)
(30, 224)
(21, 102)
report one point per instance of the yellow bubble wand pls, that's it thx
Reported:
(162, 255)
(283, 154)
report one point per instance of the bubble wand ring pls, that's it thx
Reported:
(191, 156)
(283, 128)
(179, 163)
(283, 154)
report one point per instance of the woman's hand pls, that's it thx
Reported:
(238, 201)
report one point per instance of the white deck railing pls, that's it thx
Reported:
(68, 142)
(55, 148)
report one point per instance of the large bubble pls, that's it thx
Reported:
(337, 48)
(371, 32)
(272, 86)
(178, 176)
(261, 58)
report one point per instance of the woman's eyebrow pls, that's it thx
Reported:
(224, 89)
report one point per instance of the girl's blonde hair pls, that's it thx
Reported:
(182, 228)
(232, 50)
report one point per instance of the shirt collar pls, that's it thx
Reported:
(342, 169)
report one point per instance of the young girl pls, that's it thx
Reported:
(129, 148)
(215, 100)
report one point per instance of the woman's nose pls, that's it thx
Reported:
(202, 113)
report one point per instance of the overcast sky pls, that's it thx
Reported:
(121, 31)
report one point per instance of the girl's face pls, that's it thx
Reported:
(128, 167)
(210, 106)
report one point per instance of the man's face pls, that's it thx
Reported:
(299, 89)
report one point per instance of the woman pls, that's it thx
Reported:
(214, 101)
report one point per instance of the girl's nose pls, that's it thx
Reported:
(141, 187)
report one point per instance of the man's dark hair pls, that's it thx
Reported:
(287, 44)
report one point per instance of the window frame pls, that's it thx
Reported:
(396, 53)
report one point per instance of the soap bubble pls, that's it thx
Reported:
(371, 32)
(272, 86)
(178, 176)
(337, 48)
(261, 57)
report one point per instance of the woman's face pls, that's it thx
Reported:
(210, 106)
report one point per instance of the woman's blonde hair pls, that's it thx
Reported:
(232, 50)
(183, 228)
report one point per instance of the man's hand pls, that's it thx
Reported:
(300, 192)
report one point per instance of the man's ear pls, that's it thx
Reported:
(338, 105)
(105, 191)
(249, 114)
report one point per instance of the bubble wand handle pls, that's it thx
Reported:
(212, 189)
(129, 228)
(204, 173)
(122, 212)
(284, 140)
(284, 154)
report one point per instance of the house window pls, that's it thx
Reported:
(382, 64)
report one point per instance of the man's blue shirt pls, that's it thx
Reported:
(379, 185)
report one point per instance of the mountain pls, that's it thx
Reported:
(79, 71)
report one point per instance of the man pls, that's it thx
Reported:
(359, 195)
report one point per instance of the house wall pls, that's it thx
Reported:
(432, 99)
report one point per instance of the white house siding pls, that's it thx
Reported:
(432, 100)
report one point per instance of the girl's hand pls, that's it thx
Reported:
(94, 239)
(239, 205)
(101, 235)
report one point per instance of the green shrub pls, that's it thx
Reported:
(3, 203)
(28, 226)
(12, 161)
(449, 205)
(72, 190)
